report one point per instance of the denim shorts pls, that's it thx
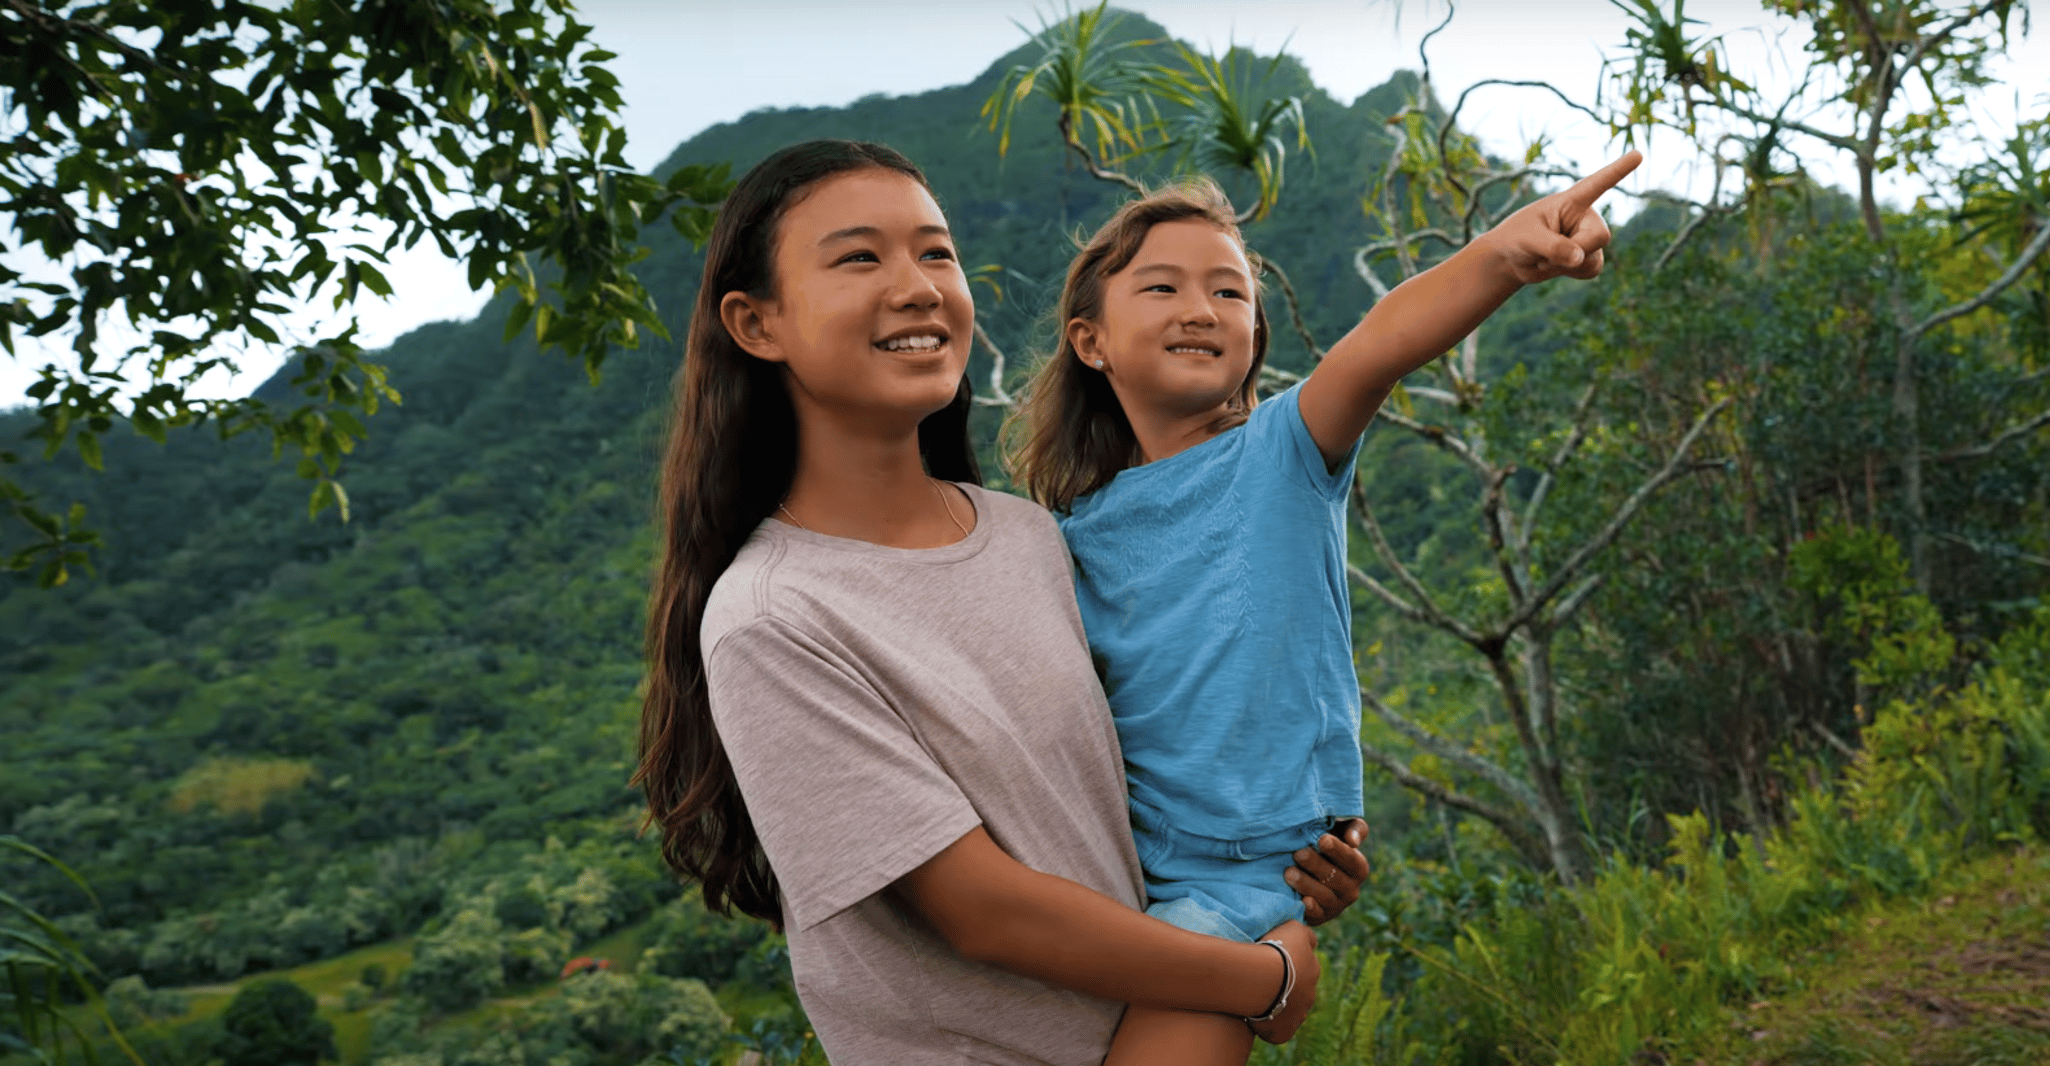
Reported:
(1224, 888)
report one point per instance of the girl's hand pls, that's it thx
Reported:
(1330, 882)
(1301, 945)
(1560, 234)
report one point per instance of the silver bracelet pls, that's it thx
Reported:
(1287, 985)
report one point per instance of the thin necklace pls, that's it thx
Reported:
(934, 482)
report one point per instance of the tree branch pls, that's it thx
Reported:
(1833, 740)
(1439, 436)
(58, 26)
(1390, 597)
(1509, 784)
(1514, 828)
(1452, 117)
(1570, 571)
(1275, 379)
(1508, 555)
(2000, 284)
(1386, 190)
(1687, 233)
(1473, 201)
(1425, 609)
(1922, 47)
(1577, 599)
(1980, 451)
(2000, 550)
(1835, 140)
(1881, 96)
(1295, 311)
(1409, 237)
(998, 397)
(1566, 449)
(1067, 128)
(1428, 393)
(1366, 273)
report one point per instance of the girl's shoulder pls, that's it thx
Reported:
(802, 579)
(739, 596)
(1006, 508)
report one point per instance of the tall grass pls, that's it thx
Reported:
(1642, 963)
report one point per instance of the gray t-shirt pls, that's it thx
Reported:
(877, 704)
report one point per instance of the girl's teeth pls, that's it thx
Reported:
(912, 344)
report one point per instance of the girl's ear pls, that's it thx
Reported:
(746, 321)
(1087, 341)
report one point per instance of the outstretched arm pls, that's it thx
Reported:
(996, 910)
(1428, 314)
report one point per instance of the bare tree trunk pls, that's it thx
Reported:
(1907, 403)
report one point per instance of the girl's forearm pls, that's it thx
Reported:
(998, 911)
(1424, 317)
(1065, 934)
(1418, 321)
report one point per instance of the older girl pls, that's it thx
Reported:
(871, 716)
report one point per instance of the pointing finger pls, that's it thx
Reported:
(1587, 190)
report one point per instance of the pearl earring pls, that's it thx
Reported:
(1099, 364)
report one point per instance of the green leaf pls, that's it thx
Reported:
(372, 278)
(89, 449)
(517, 317)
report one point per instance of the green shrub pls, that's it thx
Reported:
(686, 940)
(522, 908)
(1642, 962)
(132, 1002)
(459, 964)
(274, 1022)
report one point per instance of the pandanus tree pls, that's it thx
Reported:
(1894, 88)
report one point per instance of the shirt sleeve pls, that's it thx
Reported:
(1279, 427)
(843, 796)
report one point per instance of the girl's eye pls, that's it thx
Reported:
(863, 256)
(1230, 294)
(1162, 287)
(940, 253)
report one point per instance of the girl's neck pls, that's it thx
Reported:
(1163, 433)
(872, 489)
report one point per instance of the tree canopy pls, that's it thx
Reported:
(181, 173)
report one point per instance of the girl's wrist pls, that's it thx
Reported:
(1497, 257)
(1267, 973)
(1282, 993)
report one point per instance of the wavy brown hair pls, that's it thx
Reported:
(1070, 435)
(731, 456)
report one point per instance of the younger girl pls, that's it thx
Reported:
(1209, 538)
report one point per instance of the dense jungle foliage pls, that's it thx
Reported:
(386, 759)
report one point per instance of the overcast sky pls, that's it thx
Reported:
(685, 65)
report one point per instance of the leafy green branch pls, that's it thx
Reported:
(194, 172)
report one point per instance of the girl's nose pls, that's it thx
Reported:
(912, 288)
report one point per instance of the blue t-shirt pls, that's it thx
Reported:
(1212, 586)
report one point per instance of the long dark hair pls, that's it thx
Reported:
(732, 454)
(1070, 435)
